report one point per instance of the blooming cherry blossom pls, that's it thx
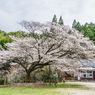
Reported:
(59, 46)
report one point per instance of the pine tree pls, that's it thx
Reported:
(61, 21)
(54, 19)
(74, 23)
(77, 25)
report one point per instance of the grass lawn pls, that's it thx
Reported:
(28, 90)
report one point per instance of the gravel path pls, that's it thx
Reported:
(72, 91)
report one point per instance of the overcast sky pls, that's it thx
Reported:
(14, 11)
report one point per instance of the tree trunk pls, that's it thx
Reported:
(28, 77)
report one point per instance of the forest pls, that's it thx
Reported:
(88, 29)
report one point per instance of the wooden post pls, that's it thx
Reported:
(49, 76)
(54, 80)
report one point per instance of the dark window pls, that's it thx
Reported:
(84, 75)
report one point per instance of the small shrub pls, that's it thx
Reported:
(2, 82)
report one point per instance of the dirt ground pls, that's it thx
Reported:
(79, 91)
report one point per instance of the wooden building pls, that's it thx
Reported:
(86, 74)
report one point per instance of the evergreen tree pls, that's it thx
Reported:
(88, 29)
(77, 25)
(74, 23)
(92, 24)
(61, 21)
(86, 24)
(54, 19)
(89, 33)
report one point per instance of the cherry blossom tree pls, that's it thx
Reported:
(59, 46)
